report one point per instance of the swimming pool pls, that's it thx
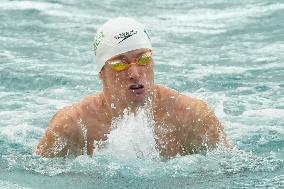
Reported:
(230, 53)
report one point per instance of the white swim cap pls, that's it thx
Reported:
(119, 35)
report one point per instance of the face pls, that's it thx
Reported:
(132, 86)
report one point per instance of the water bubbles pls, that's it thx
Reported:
(113, 106)
(168, 114)
(59, 144)
(85, 137)
(132, 137)
(240, 75)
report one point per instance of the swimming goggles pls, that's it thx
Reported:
(121, 65)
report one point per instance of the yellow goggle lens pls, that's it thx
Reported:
(144, 59)
(118, 65)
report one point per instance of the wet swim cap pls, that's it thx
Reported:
(119, 35)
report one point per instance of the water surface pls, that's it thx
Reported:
(229, 53)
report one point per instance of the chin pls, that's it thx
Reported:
(139, 100)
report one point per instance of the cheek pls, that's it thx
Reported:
(119, 80)
(119, 84)
(149, 74)
(116, 82)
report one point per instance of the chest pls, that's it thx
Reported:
(166, 136)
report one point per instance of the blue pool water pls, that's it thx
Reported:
(229, 53)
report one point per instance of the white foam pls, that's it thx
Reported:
(267, 112)
(8, 185)
(7, 54)
(22, 134)
(268, 50)
(50, 9)
(207, 70)
(240, 131)
(25, 5)
(132, 137)
(205, 20)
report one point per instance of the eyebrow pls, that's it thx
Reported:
(121, 56)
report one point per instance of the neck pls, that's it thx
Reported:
(116, 107)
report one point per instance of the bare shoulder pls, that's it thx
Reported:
(165, 90)
(198, 125)
(180, 102)
(90, 104)
(166, 96)
(64, 134)
(69, 119)
(64, 120)
(192, 104)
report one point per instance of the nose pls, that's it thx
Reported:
(133, 72)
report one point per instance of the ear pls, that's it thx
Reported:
(101, 75)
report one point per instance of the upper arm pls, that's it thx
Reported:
(63, 136)
(201, 126)
(209, 129)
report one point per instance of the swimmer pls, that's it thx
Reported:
(124, 58)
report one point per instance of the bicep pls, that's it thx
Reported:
(62, 137)
(201, 127)
(52, 144)
(209, 128)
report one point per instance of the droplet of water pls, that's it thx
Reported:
(132, 137)
(168, 114)
(113, 106)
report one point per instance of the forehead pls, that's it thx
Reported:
(133, 53)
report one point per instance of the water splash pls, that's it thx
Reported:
(132, 136)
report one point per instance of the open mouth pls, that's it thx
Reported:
(136, 87)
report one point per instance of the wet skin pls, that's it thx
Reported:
(183, 124)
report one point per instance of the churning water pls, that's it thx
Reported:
(229, 53)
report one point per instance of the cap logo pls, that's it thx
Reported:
(146, 33)
(99, 38)
(125, 35)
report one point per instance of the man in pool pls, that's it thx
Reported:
(183, 124)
